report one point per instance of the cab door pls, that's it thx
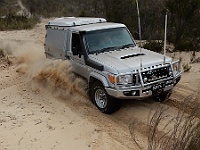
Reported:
(76, 55)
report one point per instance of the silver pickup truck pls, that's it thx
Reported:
(106, 55)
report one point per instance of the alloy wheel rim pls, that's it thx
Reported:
(100, 98)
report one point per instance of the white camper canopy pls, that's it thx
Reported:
(74, 21)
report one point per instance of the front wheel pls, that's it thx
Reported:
(104, 102)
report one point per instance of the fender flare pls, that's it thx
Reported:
(99, 77)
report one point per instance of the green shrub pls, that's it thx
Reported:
(155, 46)
(82, 14)
(18, 23)
(185, 46)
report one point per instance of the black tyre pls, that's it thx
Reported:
(102, 100)
(162, 97)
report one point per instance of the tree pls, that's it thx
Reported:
(183, 22)
(122, 11)
(8, 8)
(152, 19)
(151, 13)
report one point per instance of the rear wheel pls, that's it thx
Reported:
(104, 102)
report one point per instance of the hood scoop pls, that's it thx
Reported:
(132, 55)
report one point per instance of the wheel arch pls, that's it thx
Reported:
(94, 77)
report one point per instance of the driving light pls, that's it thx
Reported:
(133, 93)
(145, 79)
(170, 73)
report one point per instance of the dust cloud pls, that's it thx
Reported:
(53, 75)
(5, 50)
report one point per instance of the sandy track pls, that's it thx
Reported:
(43, 108)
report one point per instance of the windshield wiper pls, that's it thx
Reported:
(107, 49)
(127, 46)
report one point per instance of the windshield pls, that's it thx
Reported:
(108, 39)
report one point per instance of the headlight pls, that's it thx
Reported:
(125, 79)
(122, 79)
(175, 68)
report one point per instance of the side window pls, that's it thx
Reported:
(76, 45)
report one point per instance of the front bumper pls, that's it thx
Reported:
(145, 90)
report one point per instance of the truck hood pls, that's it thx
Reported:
(128, 59)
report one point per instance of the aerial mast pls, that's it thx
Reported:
(165, 37)
(139, 28)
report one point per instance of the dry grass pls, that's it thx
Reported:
(186, 128)
(182, 132)
(186, 67)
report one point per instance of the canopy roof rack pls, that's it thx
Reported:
(74, 21)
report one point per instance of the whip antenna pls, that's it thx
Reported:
(165, 36)
(139, 27)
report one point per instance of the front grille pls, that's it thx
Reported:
(156, 74)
